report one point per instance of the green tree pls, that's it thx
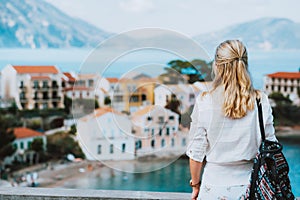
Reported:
(7, 139)
(196, 70)
(279, 98)
(37, 146)
(61, 144)
(67, 104)
(6, 144)
(73, 130)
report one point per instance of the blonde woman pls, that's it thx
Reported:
(224, 130)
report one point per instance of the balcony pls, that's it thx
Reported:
(25, 193)
(23, 88)
(56, 98)
(23, 100)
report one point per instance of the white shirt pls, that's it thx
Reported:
(229, 145)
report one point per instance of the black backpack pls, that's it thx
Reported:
(269, 178)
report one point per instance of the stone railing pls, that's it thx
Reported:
(24, 193)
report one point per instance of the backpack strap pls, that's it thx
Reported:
(261, 121)
(254, 174)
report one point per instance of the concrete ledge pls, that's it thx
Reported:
(24, 193)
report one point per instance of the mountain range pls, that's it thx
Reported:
(38, 24)
(260, 34)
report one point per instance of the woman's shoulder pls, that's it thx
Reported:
(210, 97)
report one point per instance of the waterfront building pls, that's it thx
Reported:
(129, 94)
(185, 93)
(23, 141)
(156, 132)
(106, 135)
(33, 87)
(287, 83)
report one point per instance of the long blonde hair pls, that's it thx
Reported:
(231, 71)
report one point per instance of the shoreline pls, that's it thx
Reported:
(63, 175)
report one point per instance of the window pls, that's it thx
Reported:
(29, 144)
(183, 142)
(54, 84)
(134, 98)
(161, 119)
(21, 84)
(138, 144)
(45, 105)
(36, 105)
(152, 143)
(163, 142)
(35, 84)
(168, 131)
(173, 142)
(171, 117)
(21, 145)
(160, 132)
(146, 130)
(91, 83)
(54, 104)
(99, 149)
(54, 95)
(149, 118)
(144, 97)
(45, 95)
(36, 95)
(152, 132)
(22, 95)
(118, 98)
(292, 89)
(192, 97)
(285, 88)
(45, 84)
(111, 148)
(123, 147)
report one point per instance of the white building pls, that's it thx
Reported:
(32, 87)
(87, 86)
(185, 93)
(156, 132)
(23, 141)
(287, 83)
(106, 135)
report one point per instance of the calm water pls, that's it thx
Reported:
(173, 178)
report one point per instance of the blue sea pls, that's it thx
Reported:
(172, 178)
(151, 62)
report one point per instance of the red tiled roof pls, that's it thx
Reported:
(112, 80)
(35, 69)
(288, 75)
(70, 77)
(99, 112)
(40, 78)
(23, 132)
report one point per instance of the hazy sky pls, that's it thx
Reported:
(190, 17)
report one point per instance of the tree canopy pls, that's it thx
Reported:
(196, 70)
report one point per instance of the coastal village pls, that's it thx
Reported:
(134, 117)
